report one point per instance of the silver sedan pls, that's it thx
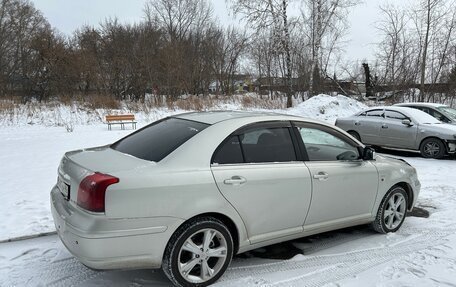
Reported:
(402, 128)
(188, 192)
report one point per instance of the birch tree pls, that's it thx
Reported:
(325, 17)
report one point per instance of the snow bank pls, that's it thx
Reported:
(327, 108)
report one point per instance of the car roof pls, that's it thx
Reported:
(420, 104)
(212, 117)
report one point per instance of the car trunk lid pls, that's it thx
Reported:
(77, 165)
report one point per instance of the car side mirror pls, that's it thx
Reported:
(368, 153)
(407, 122)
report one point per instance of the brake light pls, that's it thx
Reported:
(92, 189)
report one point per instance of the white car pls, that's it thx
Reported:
(443, 113)
(188, 192)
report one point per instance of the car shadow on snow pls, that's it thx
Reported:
(311, 244)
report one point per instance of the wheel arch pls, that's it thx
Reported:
(409, 191)
(431, 137)
(355, 132)
(229, 223)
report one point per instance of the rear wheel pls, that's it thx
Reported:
(392, 211)
(432, 148)
(198, 253)
(355, 135)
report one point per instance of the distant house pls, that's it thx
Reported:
(241, 84)
(274, 84)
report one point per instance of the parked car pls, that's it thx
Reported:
(188, 192)
(402, 128)
(443, 113)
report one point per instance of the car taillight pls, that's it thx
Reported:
(92, 189)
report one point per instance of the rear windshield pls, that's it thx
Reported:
(157, 140)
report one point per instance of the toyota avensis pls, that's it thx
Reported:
(188, 192)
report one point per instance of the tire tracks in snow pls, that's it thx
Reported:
(338, 266)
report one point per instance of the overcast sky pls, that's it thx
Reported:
(68, 15)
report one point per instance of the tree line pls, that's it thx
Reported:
(180, 48)
(418, 48)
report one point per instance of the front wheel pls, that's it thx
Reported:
(432, 148)
(392, 211)
(198, 253)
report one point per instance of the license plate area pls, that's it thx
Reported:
(64, 188)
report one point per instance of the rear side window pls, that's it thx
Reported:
(155, 141)
(229, 152)
(393, 115)
(257, 145)
(268, 145)
(374, 113)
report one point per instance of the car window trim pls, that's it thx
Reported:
(329, 130)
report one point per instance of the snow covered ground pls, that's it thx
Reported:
(422, 253)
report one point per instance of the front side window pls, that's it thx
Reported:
(449, 111)
(324, 146)
(257, 145)
(439, 116)
(155, 141)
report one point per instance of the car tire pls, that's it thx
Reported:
(432, 148)
(392, 211)
(355, 135)
(188, 253)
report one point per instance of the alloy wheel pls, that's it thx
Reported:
(395, 211)
(432, 149)
(202, 255)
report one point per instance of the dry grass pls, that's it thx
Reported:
(191, 103)
(63, 110)
(264, 102)
(101, 102)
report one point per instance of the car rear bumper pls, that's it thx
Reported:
(106, 243)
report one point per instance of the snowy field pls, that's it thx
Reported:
(422, 253)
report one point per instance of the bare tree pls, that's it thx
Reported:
(417, 44)
(20, 22)
(270, 15)
(327, 18)
(228, 48)
(393, 47)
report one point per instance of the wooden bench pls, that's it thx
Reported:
(120, 120)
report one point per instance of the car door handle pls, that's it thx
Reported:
(357, 123)
(321, 175)
(384, 126)
(235, 180)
